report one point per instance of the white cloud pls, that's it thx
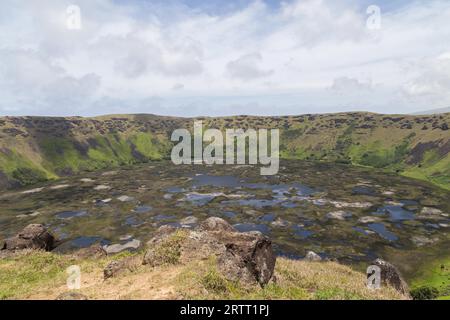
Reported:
(178, 86)
(256, 59)
(345, 85)
(248, 67)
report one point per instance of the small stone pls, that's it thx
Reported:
(86, 180)
(35, 190)
(126, 237)
(339, 215)
(59, 186)
(368, 219)
(430, 211)
(116, 248)
(342, 204)
(189, 220)
(312, 256)
(125, 198)
(320, 202)
(253, 213)
(421, 241)
(394, 203)
(280, 223)
(109, 173)
(215, 224)
(34, 214)
(102, 187)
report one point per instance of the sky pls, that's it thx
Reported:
(217, 57)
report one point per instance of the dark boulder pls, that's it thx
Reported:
(391, 276)
(248, 256)
(33, 236)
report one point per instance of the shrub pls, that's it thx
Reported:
(425, 293)
(28, 176)
(213, 281)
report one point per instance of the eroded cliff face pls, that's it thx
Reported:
(34, 149)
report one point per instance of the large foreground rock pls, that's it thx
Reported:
(33, 236)
(391, 276)
(247, 257)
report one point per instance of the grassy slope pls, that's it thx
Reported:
(33, 149)
(433, 275)
(41, 275)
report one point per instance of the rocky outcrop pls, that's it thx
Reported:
(33, 236)
(247, 257)
(391, 276)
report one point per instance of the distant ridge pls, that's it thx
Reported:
(35, 149)
(433, 111)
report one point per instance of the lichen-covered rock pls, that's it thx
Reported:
(391, 276)
(216, 224)
(247, 257)
(33, 236)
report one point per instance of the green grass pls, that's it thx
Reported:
(44, 274)
(20, 275)
(433, 276)
(151, 147)
(296, 280)
(21, 170)
(433, 169)
(168, 251)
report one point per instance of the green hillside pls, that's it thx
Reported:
(33, 149)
